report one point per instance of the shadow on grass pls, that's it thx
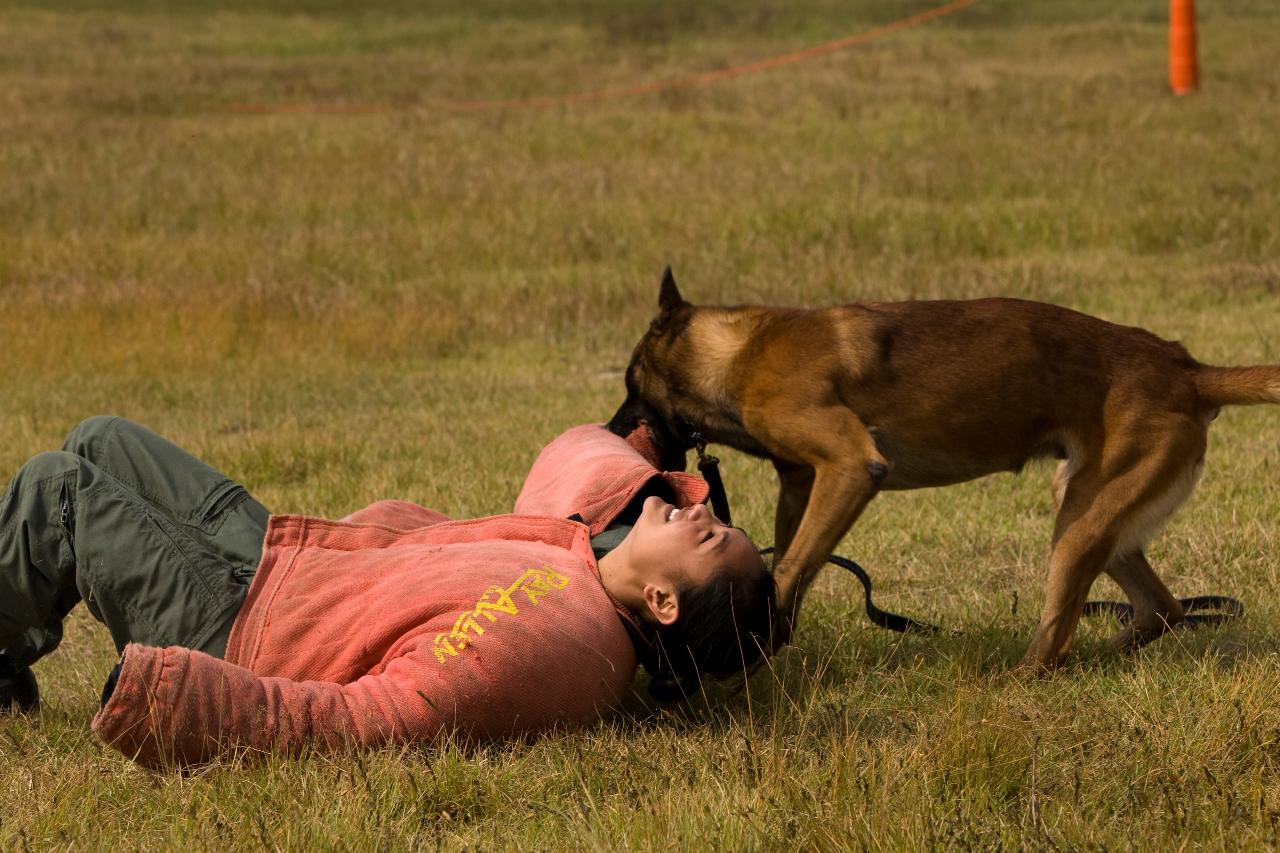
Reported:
(879, 676)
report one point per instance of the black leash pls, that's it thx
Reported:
(1227, 607)
(709, 468)
(879, 618)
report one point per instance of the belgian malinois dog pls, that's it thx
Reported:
(849, 400)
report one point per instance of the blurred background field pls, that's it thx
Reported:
(409, 302)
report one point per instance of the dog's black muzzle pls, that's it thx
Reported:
(671, 446)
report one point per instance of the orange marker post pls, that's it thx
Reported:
(1184, 75)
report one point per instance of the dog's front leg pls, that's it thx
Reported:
(795, 485)
(847, 472)
(840, 493)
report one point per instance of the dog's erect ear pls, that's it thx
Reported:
(669, 298)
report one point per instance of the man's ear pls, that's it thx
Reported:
(662, 603)
(669, 298)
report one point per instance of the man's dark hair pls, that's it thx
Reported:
(722, 630)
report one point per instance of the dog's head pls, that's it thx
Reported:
(655, 376)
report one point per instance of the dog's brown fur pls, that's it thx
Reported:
(847, 401)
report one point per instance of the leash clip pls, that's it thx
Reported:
(700, 448)
(709, 468)
(705, 460)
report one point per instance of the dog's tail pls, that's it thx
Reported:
(1238, 386)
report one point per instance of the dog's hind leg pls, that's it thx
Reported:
(1108, 507)
(1079, 553)
(1155, 610)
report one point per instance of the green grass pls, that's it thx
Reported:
(340, 308)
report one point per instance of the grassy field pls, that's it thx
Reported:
(340, 308)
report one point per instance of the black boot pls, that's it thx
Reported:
(19, 692)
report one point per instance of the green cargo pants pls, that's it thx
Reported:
(159, 546)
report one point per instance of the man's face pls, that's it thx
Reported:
(689, 546)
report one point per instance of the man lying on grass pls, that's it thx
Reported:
(241, 630)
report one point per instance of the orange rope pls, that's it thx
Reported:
(640, 89)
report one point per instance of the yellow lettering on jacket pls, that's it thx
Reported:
(536, 584)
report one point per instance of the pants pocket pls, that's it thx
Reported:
(148, 578)
(66, 514)
(211, 515)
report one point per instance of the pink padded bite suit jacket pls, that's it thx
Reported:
(397, 624)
